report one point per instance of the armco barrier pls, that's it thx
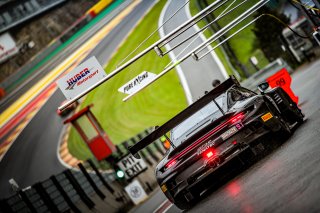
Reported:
(87, 189)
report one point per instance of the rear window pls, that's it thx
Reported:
(210, 112)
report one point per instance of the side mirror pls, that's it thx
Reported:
(263, 87)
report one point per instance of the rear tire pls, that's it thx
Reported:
(298, 115)
(285, 131)
(182, 203)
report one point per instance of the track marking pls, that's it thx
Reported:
(30, 103)
(164, 207)
(178, 68)
(51, 77)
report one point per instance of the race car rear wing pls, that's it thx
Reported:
(190, 110)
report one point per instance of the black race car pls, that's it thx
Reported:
(216, 134)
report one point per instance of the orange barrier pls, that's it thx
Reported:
(283, 79)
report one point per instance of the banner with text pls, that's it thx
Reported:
(81, 78)
(137, 82)
(131, 166)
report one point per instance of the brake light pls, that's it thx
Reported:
(237, 118)
(210, 153)
(234, 142)
(170, 164)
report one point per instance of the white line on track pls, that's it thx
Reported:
(166, 205)
(181, 75)
(203, 38)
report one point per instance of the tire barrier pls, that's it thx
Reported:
(87, 189)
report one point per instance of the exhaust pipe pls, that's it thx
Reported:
(215, 162)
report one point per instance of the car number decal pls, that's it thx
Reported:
(229, 132)
(266, 117)
(204, 147)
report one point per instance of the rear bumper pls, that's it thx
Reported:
(209, 176)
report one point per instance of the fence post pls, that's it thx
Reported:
(84, 197)
(159, 149)
(119, 151)
(45, 197)
(141, 152)
(149, 150)
(64, 194)
(100, 176)
(90, 180)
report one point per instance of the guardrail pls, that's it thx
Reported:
(87, 189)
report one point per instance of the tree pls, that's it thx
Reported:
(268, 31)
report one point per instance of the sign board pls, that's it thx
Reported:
(254, 60)
(137, 82)
(81, 78)
(136, 192)
(131, 166)
(283, 79)
(8, 47)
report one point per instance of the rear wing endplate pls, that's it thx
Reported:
(190, 110)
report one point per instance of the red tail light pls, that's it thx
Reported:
(237, 118)
(210, 153)
(170, 164)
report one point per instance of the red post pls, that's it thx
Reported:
(92, 133)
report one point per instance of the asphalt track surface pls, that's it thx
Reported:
(33, 156)
(286, 179)
(199, 74)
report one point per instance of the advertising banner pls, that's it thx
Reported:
(137, 82)
(8, 47)
(81, 78)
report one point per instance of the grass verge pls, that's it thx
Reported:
(243, 43)
(153, 106)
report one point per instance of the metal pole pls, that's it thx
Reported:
(204, 28)
(210, 40)
(232, 35)
(195, 22)
(232, 24)
(128, 63)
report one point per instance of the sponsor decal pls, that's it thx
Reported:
(266, 117)
(229, 133)
(205, 146)
(80, 78)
